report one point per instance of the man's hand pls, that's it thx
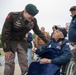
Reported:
(34, 49)
(8, 55)
(45, 61)
(26, 35)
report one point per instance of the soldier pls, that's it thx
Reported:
(16, 25)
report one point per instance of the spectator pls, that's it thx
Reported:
(29, 38)
(54, 28)
(72, 34)
(72, 29)
(67, 26)
(39, 41)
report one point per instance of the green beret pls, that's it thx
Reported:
(31, 9)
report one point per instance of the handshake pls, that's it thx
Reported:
(38, 50)
(43, 54)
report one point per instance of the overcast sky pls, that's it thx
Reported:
(51, 12)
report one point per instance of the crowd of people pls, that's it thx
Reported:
(53, 49)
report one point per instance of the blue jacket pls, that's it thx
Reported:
(29, 39)
(72, 30)
(59, 51)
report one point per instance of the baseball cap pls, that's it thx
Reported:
(73, 8)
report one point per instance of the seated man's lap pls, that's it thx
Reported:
(43, 69)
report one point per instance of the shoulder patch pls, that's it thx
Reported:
(8, 16)
(60, 42)
(49, 46)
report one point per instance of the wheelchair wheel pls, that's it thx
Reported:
(70, 68)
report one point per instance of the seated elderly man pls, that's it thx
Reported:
(53, 55)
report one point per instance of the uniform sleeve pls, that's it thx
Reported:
(38, 32)
(65, 57)
(6, 32)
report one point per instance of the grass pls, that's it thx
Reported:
(1, 52)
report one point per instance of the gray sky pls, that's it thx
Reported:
(51, 12)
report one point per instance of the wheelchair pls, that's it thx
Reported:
(68, 68)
